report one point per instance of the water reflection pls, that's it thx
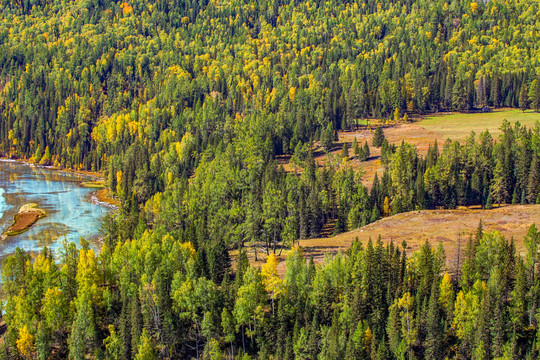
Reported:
(70, 213)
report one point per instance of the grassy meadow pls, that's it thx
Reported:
(445, 226)
(457, 126)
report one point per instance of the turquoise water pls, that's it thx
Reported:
(71, 213)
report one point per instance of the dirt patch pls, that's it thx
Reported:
(27, 216)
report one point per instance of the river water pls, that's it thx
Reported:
(70, 212)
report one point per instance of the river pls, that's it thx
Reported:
(71, 214)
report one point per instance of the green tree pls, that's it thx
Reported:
(146, 349)
(327, 140)
(435, 334)
(378, 137)
(523, 98)
(248, 308)
(345, 151)
(534, 95)
(113, 345)
(83, 332)
(355, 148)
(228, 326)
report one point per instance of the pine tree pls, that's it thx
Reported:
(136, 323)
(328, 137)
(435, 335)
(345, 151)
(519, 299)
(219, 261)
(448, 91)
(523, 98)
(534, 180)
(46, 158)
(383, 352)
(355, 148)
(314, 337)
(495, 85)
(378, 137)
(365, 152)
(375, 214)
(83, 332)
(536, 98)
(124, 328)
(334, 349)
(489, 202)
(38, 154)
(241, 267)
(420, 191)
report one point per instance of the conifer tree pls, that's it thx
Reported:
(523, 98)
(136, 322)
(328, 137)
(535, 103)
(534, 180)
(345, 151)
(365, 152)
(355, 148)
(378, 137)
(434, 339)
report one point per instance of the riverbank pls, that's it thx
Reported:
(104, 197)
(26, 217)
(93, 176)
(95, 180)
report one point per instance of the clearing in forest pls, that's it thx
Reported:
(423, 133)
(458, 126)
(446, 226)
(452, 228)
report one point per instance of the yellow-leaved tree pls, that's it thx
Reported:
(25, 343)
(386, 207)
(271, 281)
(447, 295)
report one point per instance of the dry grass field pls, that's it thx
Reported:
(417, 227)
(446, 226)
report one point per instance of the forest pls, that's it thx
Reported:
(151, 298)
(187, 109)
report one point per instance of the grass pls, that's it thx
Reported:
(364, 122)
(93, 184)
(445, 226)
(458, 126)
